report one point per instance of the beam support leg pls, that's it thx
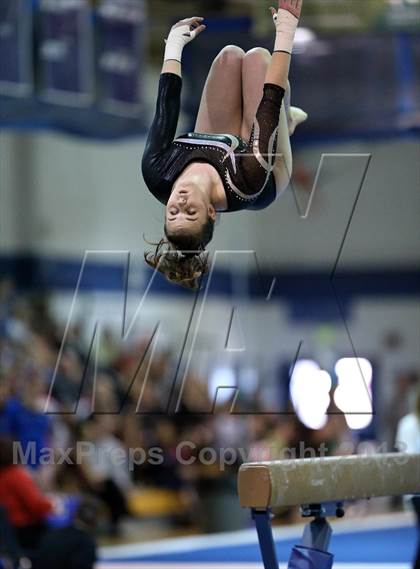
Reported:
(262, 519)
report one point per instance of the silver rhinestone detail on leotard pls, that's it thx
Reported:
(230, 151)
(256, 147)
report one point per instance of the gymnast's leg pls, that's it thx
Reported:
(221, 103)
(254, 69)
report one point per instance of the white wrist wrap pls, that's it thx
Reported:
(177, 40)
(286, 26)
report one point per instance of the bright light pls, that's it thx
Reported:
(310, 393)
(219, 378)
(304, 36)
(354, 390)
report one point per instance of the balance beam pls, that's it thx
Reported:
(264, 485)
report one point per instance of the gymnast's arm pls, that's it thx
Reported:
(172, 66)
(165, 122)
(286, 20)
(163, 129)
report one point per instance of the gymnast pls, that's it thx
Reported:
(238, 156)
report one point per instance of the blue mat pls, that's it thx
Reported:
(393, 545)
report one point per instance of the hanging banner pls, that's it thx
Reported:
(120, 64)
(66, 52)
(16, 73)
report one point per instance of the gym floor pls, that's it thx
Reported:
(379, 542)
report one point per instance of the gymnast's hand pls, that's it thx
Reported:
(286, 20)
(182, 33)
(292, 6)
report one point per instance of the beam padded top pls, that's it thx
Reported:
(317, 480)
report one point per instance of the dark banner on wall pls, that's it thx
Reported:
(120, 67)
(66, 51)
(16, 76)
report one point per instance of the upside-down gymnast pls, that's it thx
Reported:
(239, 155)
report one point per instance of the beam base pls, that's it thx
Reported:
(307, 558)
(313, 549)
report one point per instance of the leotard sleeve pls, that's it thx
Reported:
(163, 129)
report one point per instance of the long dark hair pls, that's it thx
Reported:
(181, 256)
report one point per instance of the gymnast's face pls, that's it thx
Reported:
(188, 209)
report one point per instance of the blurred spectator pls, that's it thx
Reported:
(71, 547)
(400, 402)
(408, 431)
(109, 351)
(24, 420)
(11, 554)
(165, 474)
(68, 380)
(272, 437)
(27, 508)
(105, 466)
(5, 415)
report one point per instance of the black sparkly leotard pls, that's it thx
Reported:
(244, 167)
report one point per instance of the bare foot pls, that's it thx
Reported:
(295, 116)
